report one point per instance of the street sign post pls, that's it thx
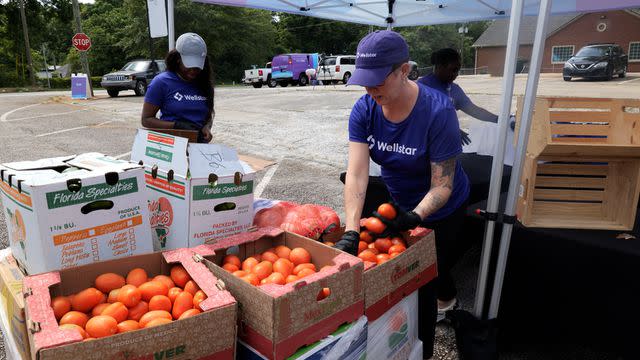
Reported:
(81, 41)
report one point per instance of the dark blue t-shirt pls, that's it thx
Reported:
(405, 150)
(453, 91)
(177, 99)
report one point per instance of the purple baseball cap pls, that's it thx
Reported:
(377, 53)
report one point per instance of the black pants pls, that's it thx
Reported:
(443, 287)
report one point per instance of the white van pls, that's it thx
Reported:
(336, 68)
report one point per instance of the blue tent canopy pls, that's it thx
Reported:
(418, 12)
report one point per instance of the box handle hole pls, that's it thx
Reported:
(323, 294)
(97, 205)
(225, 206)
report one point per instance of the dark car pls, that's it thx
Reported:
(135, 75)
(596, 61)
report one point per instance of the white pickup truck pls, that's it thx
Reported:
(258, 77)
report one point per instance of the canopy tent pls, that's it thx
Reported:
(398, 13)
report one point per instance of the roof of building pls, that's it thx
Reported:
(496, 34)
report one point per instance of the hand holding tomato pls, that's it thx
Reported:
(396, 219)
(348, 242)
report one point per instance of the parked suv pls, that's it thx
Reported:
(336, 68)
(596, 61)
(135, 75)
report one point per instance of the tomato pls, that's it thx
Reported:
(270, 256)
(387, 211)
(189, 313)
(362, 246)
(240, 273)
(183, 302)
(99, 308)
(383, 244)
(179, 275)
(291, 278)
(230, 267)
(75, 328)
(113, 296)
(136, 277)
(299, 256)
(199, 297)
(74, 317)
(373, 249)
(297, 269)
(86, 300)
(251, 278)
(305, 272)
(191, 287)
(233, 260)
(323, 294)
(398, 241)
(366, 236)
(368, 255)
(374, 225)
(157, 322)
(151, 289)
(275, 278)
(101, 326)
(136, 312)
(160, 302)
(282, 251)
(382, 258)
(397, 248)
(394, 254)
(283, 266)
(151, 315)
(262, 270)
(109, 281)
(129, 295)
(165, 280)
(173, 293)
(117, 310)
(249, 263)
(128, 325)
(61, 305)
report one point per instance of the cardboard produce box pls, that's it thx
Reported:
(13, 305)
(388, 283)
(394, 334)
(349, 342)
(277, 320)
(208, 335)
(70, 211)
(196, 193)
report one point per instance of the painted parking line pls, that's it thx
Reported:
(3, 117)
(123, 155)
(265, 179)
(45, 115)
(628, 81)
(74, 129)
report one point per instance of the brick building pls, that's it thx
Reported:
(566, 34)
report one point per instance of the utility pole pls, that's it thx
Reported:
(46, 67)
(25, 31)
(83, 54)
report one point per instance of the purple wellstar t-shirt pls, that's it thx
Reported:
(177, 99)
(405, 150)
(453, 91)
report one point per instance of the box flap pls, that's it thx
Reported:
(168, 152)
(98, 161)
(49, 163)
(205, 159)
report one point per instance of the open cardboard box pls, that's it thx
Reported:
(69, 211)
(209, 335)
(13, 306)
(388, 283)
(276, 320)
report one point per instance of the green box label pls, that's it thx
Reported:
(206, 192)
(159, 154)
(58, 199)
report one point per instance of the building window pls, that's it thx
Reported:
(634, 51)
(560, 54)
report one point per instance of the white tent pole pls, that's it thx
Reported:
(172, 29)
(508, 80)
(390, 4)
(523, 139)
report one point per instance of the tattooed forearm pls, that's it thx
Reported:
(359, 195)
(442, 174)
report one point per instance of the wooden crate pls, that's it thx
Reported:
(582, 167)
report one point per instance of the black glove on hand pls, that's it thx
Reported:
(466, 140)
(402, 222)
(348, 242)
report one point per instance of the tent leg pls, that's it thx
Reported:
(523, 139)
(172, 29)
(498, 158)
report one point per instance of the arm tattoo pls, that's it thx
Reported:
(442, 173)
(359, 195)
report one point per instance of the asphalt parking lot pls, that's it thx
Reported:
(302, 130)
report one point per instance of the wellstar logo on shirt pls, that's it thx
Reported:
(394, 147)
(179, 97)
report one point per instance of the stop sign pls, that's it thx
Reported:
(81, 41)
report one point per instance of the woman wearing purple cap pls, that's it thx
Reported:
(183, 93)
(412, 132)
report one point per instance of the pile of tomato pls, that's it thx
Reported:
(278, 265)
(117, 304)
(374, 248)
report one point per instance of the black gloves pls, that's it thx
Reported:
(349, 242)
(402, 222)
(466, 140)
